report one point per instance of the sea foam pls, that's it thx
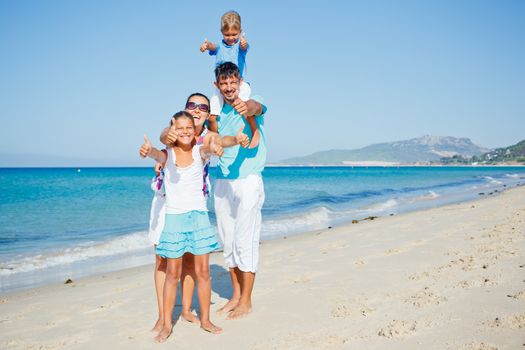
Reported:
(123, 244)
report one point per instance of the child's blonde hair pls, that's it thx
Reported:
(230, 20)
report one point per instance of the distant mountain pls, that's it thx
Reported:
(422, 149)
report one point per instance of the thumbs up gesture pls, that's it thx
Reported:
(243, 43)
(204, 45)
(241, 138)
(146, 147)
(172, 133)
(216, 148)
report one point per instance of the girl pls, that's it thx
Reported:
(187, 227)
(198, 105)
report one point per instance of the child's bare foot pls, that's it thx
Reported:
(210, 327)
(189, 317)
(240, 311)
(163, 335)
(229, 306)
(158, 326)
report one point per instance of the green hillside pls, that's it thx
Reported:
(510, 154)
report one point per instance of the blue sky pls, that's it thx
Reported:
(82, 81)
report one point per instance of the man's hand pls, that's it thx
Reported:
(240, 106)
(146, 147)
(215, 148)
(204, 45)
(172, 133)
(241, 138)
(243, 43)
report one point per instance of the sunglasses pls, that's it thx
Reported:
(201, 106)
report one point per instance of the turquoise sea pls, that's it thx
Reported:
(59, 223)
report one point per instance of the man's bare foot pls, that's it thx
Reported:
(189, 317)
(158, 326)
(240, 311)
(163, 335)
(229, 306)
(210, 327)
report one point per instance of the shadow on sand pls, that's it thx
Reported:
(220, 285)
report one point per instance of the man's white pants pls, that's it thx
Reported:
(238, 206)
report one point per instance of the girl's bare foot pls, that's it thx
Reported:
(163, 335)
(158, 326)
(210, 327)
(239, 312)
(229, 306)
(189, 317)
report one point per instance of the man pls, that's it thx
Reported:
(238, 190)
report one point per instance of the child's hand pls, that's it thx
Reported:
(244, 43)
(204, 45)
(146, 147)
(215, 148)
(242, 138)
(172, 133)
(240, 106)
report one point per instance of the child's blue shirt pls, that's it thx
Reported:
(233, 54)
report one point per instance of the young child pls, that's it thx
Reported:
(233, 48)
(187, 226)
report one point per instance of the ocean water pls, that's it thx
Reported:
(66, 223)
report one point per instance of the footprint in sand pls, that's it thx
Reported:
(345, 310)
(424, 298)
(481, 282)
(478, 346)
(518, 296)
(510, 322)
(398, 329)
(466, 263)
(392, 251)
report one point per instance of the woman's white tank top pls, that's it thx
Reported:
(184, 185)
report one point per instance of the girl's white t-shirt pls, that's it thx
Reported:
(184, 185)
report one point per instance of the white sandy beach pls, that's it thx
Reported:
(445, 278)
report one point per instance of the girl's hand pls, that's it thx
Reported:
(243, 43)
(242, 138)
(146, 147)
(215, 148)
(204, 45)
(172, 133)
(158, 168)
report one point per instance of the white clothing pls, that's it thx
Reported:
(216, 102)
(184, 185)
(238, 204)
(156, 217)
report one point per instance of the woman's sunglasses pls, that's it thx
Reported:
(201, 106)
